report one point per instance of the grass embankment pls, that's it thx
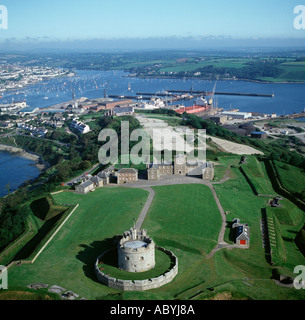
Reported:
(237, 198)
(44, 217)
(69, 259)
(291, 178)
(257, 176)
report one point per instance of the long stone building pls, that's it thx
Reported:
(180, 166)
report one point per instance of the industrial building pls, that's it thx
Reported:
(237, 115)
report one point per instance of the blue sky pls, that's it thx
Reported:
(61, 20)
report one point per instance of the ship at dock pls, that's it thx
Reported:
(200, 105)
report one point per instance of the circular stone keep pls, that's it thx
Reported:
(136, 251)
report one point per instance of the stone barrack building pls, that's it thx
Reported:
(127, 175)
(180, 166)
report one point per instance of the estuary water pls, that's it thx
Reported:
(14, 171)
(288, 98)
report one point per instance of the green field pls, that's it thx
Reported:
(68, 260)
(289, 71)
(217, 63)
(258, 177)
(183, 219)
(291, 178)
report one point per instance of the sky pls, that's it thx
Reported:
(65, 23)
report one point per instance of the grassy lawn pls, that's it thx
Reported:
(236, 196)
(223, 164)
(256, 172)
(291, 178)
(183, 219)
(68, 260)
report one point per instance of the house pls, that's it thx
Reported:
(80, 127)
(85, 187)
(97, 181)
(127, 175)
(89, 184)
(105, 176)
(242, 233)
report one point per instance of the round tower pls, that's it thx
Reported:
(136, 251)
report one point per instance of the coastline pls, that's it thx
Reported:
(209, 79)
(40, 164)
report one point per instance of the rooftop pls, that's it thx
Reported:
(135, 244)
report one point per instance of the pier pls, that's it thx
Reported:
(207, 93)
(166, 97)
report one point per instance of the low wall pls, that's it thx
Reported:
(138, 285)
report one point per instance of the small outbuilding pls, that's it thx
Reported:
(242, 233)
(259, 135)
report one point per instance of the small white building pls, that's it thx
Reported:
(81, 127)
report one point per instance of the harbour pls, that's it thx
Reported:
(265, 97)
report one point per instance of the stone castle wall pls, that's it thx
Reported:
(138, 285)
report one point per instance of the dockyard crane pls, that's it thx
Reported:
(106, 90)
(213, 94)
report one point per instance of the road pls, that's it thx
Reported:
(80, 177)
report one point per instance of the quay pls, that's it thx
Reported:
(206, 93)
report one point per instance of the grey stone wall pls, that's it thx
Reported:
(138, 285)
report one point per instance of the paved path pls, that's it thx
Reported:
(174, 180)
(80, 177)
(145, 208)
